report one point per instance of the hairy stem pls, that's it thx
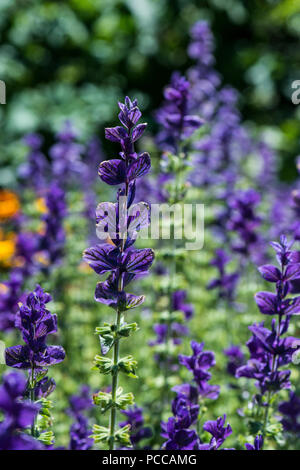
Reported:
(32, 398)
(114, 385)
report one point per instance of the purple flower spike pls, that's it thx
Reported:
(178, 438)
(198, 364)
(118, 225)
(34, 171)
(80, 432)
(270, 349)
(219, 432)
(174, 115)
(226, 283)
(291, 413)
(134, 418)
(186, 405)
(178, 300)
(35, 322)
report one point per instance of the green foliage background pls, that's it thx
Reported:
(74, 58)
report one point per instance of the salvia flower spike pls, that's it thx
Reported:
(177, 127)
(118, 225)
(36, 322)
(270, 349)
(179, 431)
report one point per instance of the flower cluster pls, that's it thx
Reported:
(35, 169)
(236, 359)
(176, 329)
(219, 432)
(270, 350)
(118, 225)
(52, 240)
(18, 414)
(291, 413)
(35, 322)
(244, 222)
(177, 125)
(10, 293)
(199, 364)
(79, 431)
(179, 304)
(226, 282)
(65, 155)
(135, 419)
(178, 430)
(174, 115)
(204, 80)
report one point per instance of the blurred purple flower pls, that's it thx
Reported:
(138, 432)
(18, 415)
(236, 359)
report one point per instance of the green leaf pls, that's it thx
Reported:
(123, 436)
(127, 329)
(103, 364)
(44, 418)
(100, 433)
(124, 400)
(104, 330)
(47, 438)
(105, 401)
(128, 365)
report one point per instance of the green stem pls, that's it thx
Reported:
(266, 415)
(32, 398)
(171, 290)
(114, 385)
(274, 367)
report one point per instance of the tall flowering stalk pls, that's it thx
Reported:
(270, 350)
(118, 225)
(226, 282)
(176, 121)
(36, 322)
(243, 223)
(65, 155)
(183, 429)
(52, 240)
(177, 126)
(34, 171)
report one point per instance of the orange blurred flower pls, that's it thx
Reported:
(9, 204)
(7, 248)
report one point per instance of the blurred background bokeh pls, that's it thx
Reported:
(74, 58)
